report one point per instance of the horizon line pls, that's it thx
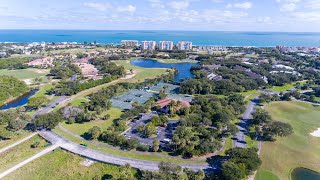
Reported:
(161, 30)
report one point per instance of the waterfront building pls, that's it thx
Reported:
(129, 43)
(165, 45)
(184, 45)
(148, 45)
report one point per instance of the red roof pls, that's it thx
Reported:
(166, 101)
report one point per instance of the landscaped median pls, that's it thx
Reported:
(129, 154)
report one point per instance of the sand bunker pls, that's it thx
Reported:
(316, 133)
(28, 81)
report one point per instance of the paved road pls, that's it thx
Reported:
(239, 140)
(51, 106)
(17, 143)
(108, 158)
(45, 151)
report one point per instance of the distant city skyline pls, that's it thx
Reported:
(193, 15)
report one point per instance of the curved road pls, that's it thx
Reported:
(111, 159)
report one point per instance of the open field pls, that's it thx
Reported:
(298, 150)
(80, 129)
(20, 153)
(78, 102)
(22, 74)
(16, 136)
(43, 90)
(285, 87)
(64, 165)
(141, 73)
(130, 154)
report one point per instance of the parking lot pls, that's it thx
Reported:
(164, 134)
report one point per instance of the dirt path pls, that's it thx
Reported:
(17, 143)
(44, 152)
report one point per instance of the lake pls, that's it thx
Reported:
(20, 101)
(304, 174)
(183, 68)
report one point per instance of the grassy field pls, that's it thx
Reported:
(141, 73)
(63, 165)
(227, 146)
(20, 153)
(298, 150)
(285, 87)
(130, 154)
(78, 102)
(43, 90)
(15, 137)
(103, 124)
(29, 73)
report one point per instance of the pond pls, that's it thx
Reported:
(304, 174)
(183, 68)
(20, 101)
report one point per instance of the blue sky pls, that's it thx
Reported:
(207, 15)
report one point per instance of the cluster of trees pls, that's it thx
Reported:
(280, 79)
(13, 63)
(12, 121)
(65, 71)
(150, 128)
(106, 67)
(36, 102)
(224, 87)
(209, 119)
(240, 164)
(49, 120)
(72, 87)
(11, 87)
(168, 171)
(267, 128)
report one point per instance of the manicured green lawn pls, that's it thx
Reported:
(78, 102)
(285, 87)
(227, 146)
(80, 129)
(298, 150)
(29, 73)
(20, 153)
(43, 90)
(142, 73)
(64, 165)
(265, 175)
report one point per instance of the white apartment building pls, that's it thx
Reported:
(184, 45)
(148, 45)
(129, 43)
(165, 45)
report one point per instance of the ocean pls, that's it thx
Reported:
(258, 39)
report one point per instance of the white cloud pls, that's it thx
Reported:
(106, 6)
(288, 7)
(313, 4)
(244, 5)
(157, 4)
(179, 5)
(98, 6)
(128, 9)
